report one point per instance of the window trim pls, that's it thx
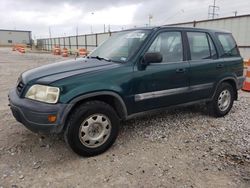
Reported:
(215, 48)
(209, 46)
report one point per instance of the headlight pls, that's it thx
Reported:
(43, 93)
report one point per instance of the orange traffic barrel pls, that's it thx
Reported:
(56, 50)
(65, 52)
(22, 49)
(245, 68)
(246, 84)
(14, 48)
(18, 47)
(83, 52)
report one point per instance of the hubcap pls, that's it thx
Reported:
(95, 130)
(224, 100)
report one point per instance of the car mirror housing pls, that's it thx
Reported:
(152, 57)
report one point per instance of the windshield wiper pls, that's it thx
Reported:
(99, 58)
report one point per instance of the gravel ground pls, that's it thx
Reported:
(178, 148)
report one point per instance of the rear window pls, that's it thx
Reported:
(228, 44)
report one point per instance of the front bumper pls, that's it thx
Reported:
(34, 115)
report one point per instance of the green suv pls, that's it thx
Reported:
(133, 72)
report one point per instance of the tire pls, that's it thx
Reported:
(222, 101)
(92, 128)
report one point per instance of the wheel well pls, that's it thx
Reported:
(233, 84)
(111, 100)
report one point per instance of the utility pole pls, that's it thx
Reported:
(91, 26)
(109, 28)
(150, 17)
(212, 11)
(235, 13)
(76, 30)
(50, 39)
(77, 36)
(49, 32)
(91, 29)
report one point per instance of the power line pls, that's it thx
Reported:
(213, 11)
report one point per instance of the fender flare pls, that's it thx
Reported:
(74, 101)
(99, 93)
(228, 78)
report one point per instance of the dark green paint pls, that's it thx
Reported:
(84, 76)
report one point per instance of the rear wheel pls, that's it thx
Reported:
(223, 100)
(92, 128)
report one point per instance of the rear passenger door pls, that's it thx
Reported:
(205, 66)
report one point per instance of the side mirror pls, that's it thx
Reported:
(152, 57)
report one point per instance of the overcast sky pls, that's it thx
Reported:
(64, 16)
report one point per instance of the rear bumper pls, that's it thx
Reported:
(240, 82)
(34, 115)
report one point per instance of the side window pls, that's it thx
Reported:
(228, 44)
(201, 46)
(169, 44)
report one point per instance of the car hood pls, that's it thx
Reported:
(55, 71)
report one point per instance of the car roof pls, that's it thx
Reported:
(181, 28)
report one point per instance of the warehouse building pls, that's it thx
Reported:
(239, 26)
(10, 37)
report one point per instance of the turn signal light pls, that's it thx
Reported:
(52, 118)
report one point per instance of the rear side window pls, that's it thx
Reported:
(201, 46)
(228, 44)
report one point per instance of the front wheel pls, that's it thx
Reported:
(92, 128)
(223, 100)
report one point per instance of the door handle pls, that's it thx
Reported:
(220, 66)
(180, 70)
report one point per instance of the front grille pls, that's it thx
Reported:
(20, 87)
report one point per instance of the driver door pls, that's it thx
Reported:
(166, 83)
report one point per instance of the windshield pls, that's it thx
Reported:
(121, 46)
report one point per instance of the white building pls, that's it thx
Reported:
(239, 26)
(10, 37)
